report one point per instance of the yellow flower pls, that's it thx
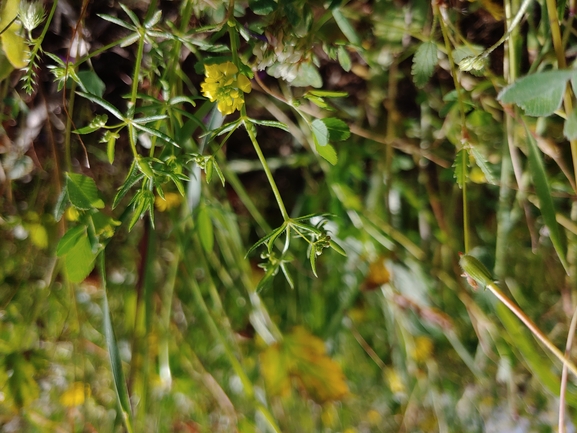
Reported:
(171, 200)
(75, 394)
(223, 83)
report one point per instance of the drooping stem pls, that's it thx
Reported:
(532, 327)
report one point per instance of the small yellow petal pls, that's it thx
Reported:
(229, 68)
(244, 83)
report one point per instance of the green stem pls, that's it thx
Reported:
(251, 133)
(136, 77)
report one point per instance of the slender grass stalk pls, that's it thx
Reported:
(237, 367)
(564, 375)
(464, 134)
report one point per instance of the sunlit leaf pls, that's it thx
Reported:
(79, 259)
(13, 43)
(82, 192)
(329, 153)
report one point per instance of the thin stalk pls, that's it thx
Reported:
(250, 130)
(532, 327)
(564, 375)
(562, 63)
(464, 133)
(136, 77)
(213, 327)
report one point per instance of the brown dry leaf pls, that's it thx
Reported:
(302, 356)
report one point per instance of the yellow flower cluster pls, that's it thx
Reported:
(223, 83)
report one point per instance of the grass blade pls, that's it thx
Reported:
(115, 362)
(546, 202)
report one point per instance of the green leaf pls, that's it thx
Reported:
(538, 94)
(270, 123)
(120, 387)
(205, 230)
(344, 58)
(346, 27)
(91, 83)
(319, 102)
(262, 7)
(460, 165)
(570, 128)
(329, 153)
(483, 165)
(133, 176)
(313, 259)
(94, 125)
(104, 104)
(338, 248)
(79, 259)
(156, 133)
(327, 93)
(320, 132)
(424, 62)
(110, 138)
(545, 200)
(338, 130)
(61, 204)
(70, 239)
(82, 192)
(307, 75)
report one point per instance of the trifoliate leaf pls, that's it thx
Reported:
(424, 62)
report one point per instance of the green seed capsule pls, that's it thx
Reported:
(475, 271)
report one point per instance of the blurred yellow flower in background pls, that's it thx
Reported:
(75, 394)
(171, 200)
(224, 84)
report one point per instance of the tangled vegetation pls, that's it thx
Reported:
(247, 216)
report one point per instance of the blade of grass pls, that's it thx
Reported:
(544, 193)
(122, 397)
